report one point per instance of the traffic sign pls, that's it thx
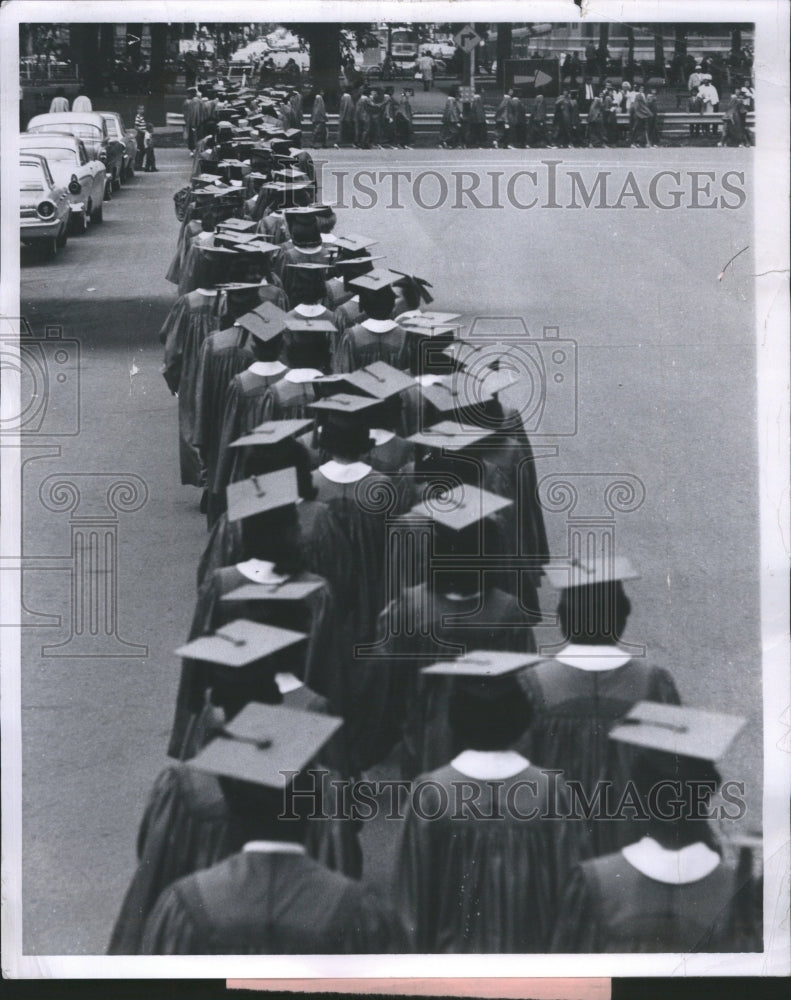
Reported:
(467, 39)
(540, 79)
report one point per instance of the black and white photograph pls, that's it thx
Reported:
(395, 490)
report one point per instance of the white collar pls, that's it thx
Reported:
(309, 250)
(463, 597)
(207, 291)
(260, 571)
(592, 658)
(379, 325)
(430, 379)
(272, 847)
(309, 309)
(690, 864)
(355, 299)
(266, 368)
(298, 375)
(337, 472)
(380, 436)
(287, 682)
(483, 764)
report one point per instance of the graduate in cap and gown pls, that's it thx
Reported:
(191, 320)
(377, 337)
(453, 608)
(669, 889)
(185, 825)
(306, 352)
(578, 695)
(344, 538)
(485, 851)
(223, 355)
(307, 248)
(263, 899)
(244, 405)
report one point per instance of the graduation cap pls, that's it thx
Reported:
(457, 393)
(288, 173)
(205, 179)
(265, 322)
(461, 351)
(376, 280)
(415, 289)
(240, 643)
(354, 244)
(377, 380)
(483, 663)
(272, 432)
(265, 743)
(344, 407)
(588, 571)
(430, 320)
(451, 435)
(461, 507)
(295, 323)
(311, 265)
(239, 226)
(260, 494)
(257, 246)
(232, 240)
(678, 729)
(288, 590)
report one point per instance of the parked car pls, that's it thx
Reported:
(92, 129)
(128, 136)
(72, 168)
(44, 207)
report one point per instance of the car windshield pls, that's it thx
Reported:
(61, 154)
(31, 177)
(112, 126)
(84, 130)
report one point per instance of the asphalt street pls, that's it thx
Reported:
(663, 392)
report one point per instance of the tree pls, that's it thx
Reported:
(159, 44)
(503, 51)
(84, 47)
(680, 41)
(324, 44)
(659, 52)
(604, 38)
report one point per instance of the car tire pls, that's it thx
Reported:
(117, 181)
(79, 222)
(97, 215)
(108, 190)
(50, 248)
(63, 238)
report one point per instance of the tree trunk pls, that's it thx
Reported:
(680, 41)
(659, 53)
(84, 45)
(159, 40)
(604, 38)
(736, 42)
(325, 60)
(504, 41)
(107, 46)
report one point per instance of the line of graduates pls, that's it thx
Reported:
(366, 479)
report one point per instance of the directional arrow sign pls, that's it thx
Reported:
(467, 39)
(539, 80)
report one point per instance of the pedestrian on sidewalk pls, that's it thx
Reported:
(149, 158)
(425, 65)
(346, 127)
(403, 121)
(140, 127)
(318, 117)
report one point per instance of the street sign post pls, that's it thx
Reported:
(467, 40)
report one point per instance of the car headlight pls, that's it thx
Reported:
(45, 209)
(102, 155)
(74, 185)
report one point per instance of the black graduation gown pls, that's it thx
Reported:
(223, 355)
(245, 406)
(295, 283)
(359, 347)
(257, 903)
(573, 712)
(188, 324)
(311, 615)
(392, 457)
(402, 703)
(287, 400)
(478, 885)
(612, 907)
